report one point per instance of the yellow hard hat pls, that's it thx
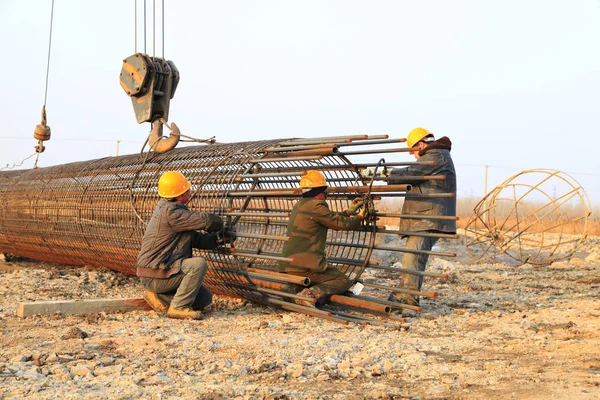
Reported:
(416, 135)
(172, 184)
(312, 179)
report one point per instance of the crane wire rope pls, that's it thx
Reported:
(135, 26)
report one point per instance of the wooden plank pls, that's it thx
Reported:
(81, 306)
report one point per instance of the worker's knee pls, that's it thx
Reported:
(194, 266)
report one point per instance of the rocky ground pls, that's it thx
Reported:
(496, 332)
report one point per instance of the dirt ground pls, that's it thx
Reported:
(495, 332)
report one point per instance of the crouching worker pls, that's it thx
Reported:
(307, 229)
(165, 263)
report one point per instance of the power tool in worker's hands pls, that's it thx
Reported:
(226, 236)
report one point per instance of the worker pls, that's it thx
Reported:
(307, 229)
(426, 149)
(165, 263)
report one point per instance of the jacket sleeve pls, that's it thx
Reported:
(417, 170)
(337, 221)
(183, 219)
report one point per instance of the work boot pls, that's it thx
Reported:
(155, 302)
(404, 298)
(306, 293)
(185, 313)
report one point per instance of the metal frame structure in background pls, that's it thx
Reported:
(94, 213)
(521, 220)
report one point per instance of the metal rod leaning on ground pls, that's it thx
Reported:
(360, 303)
(430, 295)
(410, 271)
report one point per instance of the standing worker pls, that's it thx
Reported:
(165, 262)
(425, 149)
(307, 229)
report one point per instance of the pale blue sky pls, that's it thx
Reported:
(514, 84)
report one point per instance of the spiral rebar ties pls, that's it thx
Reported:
(94, 213)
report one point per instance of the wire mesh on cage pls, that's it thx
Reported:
(537, 216)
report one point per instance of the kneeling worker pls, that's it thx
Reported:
(165, 262)
(307, 228)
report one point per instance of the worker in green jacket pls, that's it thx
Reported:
(307, 229)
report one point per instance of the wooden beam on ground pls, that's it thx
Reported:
(81, 306)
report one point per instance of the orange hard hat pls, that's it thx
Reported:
(312, 179)
(172, 184)
(416, 135)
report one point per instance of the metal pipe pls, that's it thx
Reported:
(392, 304)
(371, 142)
(360, 303)
(401, 290)
(419, 234)
(377, 151)
(259, 236)
(321, 147)
(278, 159)
(265, 274)
(397, 249)
(418, 216)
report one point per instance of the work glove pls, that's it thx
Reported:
(214, 223)
(369, 172)
(357, 203)
(226, 236)
(365, 213)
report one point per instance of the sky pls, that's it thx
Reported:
(515, 84)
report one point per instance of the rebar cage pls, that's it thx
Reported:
(94, 213)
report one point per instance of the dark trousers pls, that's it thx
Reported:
(324, 284)
(184, 289)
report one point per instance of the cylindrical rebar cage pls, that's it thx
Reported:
(95, 212)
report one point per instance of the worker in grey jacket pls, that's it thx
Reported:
(425, 149)
(165, 262)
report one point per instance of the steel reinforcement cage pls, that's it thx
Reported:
(94, 213)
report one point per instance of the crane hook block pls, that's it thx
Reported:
(151, 84)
